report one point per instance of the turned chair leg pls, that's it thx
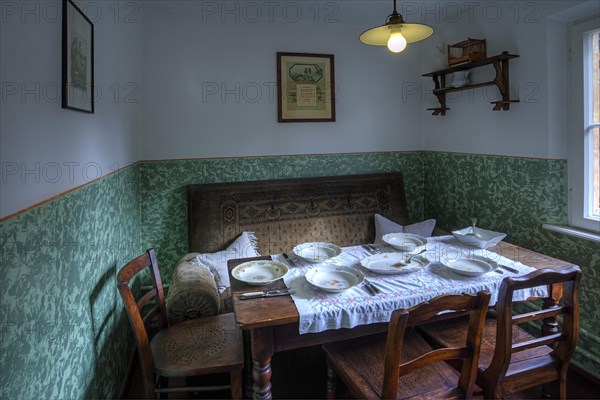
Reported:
(563, 389)
(331, 383)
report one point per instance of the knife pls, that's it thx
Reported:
(374, 291)
(270, 293)
(367, 248)
(288, 259)
(514, 271)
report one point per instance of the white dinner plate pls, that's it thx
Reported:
(406, 242)
(393, 263)
(315, 252)
(334, 278)
(472, 266)
(258, 273)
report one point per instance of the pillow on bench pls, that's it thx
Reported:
(192, 292)
(384, 226)
(200, 282)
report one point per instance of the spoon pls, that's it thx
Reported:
(407, 259)
(473, 233)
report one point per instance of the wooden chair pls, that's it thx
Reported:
(201, 346)
(511, 359)
(404, 365)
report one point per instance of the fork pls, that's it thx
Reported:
(371, 249)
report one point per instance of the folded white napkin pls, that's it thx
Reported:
(384, 226)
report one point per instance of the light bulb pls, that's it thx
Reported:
(397, 42)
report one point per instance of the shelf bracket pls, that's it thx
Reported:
(439, 80)
(501, 80)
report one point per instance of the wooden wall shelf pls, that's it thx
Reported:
(501, 81)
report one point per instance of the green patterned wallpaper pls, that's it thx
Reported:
(517, 196)
(63, 330)
(64, 334)
(163, 183)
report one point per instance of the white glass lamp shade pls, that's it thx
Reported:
(380, 35)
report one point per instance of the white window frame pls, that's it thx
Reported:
(579, 150)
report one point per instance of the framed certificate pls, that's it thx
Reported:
(305, 87)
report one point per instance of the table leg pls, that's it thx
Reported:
(248, 390)
(262, 351)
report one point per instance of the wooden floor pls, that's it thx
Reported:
(302, 375)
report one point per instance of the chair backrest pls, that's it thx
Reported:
(140, 324)
(475, 305)
(562, 339)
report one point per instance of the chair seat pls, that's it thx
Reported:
(198, 346)
(452, 333)
(362, 361)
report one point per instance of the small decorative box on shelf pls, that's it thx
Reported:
(466, 51)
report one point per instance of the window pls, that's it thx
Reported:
(584, 144)
(591, 121)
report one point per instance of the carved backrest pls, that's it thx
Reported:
(563, 339)
(475, 305)
(286, 212)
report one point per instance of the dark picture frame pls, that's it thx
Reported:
(305, 87)
(77, 59)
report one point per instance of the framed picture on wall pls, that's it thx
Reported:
(77, 59)
(305, 87)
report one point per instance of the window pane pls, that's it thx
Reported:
(592, 140)
(595, 209)
(595, 115)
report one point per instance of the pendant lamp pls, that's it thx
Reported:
(396, 33)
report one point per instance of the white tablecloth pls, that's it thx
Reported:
(320, 310)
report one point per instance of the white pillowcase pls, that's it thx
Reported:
(384, 226)
(243, 247)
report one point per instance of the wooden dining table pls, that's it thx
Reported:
(272, 322)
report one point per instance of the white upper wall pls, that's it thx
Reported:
(209, 79)
(46, 150)
(206, 71)
(535, 127)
